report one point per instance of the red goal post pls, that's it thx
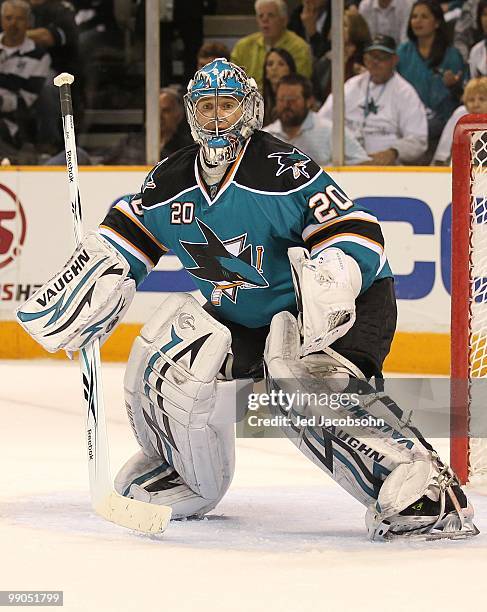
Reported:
(468, 448)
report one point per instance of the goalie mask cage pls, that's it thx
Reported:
(468, 415)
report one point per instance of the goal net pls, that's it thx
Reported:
(469, 300)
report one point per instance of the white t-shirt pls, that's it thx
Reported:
(477, 60)
(443, 150)
(390, 115)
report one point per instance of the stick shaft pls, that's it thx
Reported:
(71, 159)
(90, 365)
(129, 513)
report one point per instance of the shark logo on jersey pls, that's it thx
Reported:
(227, 264)
(292, 160)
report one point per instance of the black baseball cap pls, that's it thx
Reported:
(382, 42)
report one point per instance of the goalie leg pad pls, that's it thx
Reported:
(84, 301)
(387, 466)
(154, 480)
(178, 410)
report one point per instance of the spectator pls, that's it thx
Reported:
(174, 134)
(54, 29)
(387, 17)
(382, 109)
(23, 69)
(356, 37)
(94, 16)
(478, 55)
(312, 21)
(435, 69)
(300, 126)
(98, 32)
(475, 101)
(249, 52)
(210, 51)
(278, 63)
(464, 36)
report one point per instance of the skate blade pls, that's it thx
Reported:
(434, 535)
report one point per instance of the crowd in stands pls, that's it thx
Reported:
(408, 66)
(412, 69)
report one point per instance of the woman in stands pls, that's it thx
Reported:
(434, 67)
(278, 63)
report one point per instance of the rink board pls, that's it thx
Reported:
(413, 205)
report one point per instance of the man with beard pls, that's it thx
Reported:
(301, 126)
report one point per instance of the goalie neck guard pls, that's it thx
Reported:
(220, 139)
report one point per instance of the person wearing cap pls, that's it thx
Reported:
(382, 109)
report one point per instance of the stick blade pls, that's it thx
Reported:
(134, 514)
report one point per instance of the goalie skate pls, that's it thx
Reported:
(450, 517)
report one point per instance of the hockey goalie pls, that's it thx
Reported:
(299, 292)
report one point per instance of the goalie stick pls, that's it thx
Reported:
(124, 511)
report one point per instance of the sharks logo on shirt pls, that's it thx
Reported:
(292, 160)
(370, 107)
(227, 264)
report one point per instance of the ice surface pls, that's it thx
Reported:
(284, 538)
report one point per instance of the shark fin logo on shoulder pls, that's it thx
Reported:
(227, 264)
(294, 160)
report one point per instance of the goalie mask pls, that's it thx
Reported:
(224, 108)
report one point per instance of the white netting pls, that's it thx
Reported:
(478, 309)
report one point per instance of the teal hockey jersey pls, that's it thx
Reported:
(234, 242)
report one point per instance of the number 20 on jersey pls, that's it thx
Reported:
(324, 204)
